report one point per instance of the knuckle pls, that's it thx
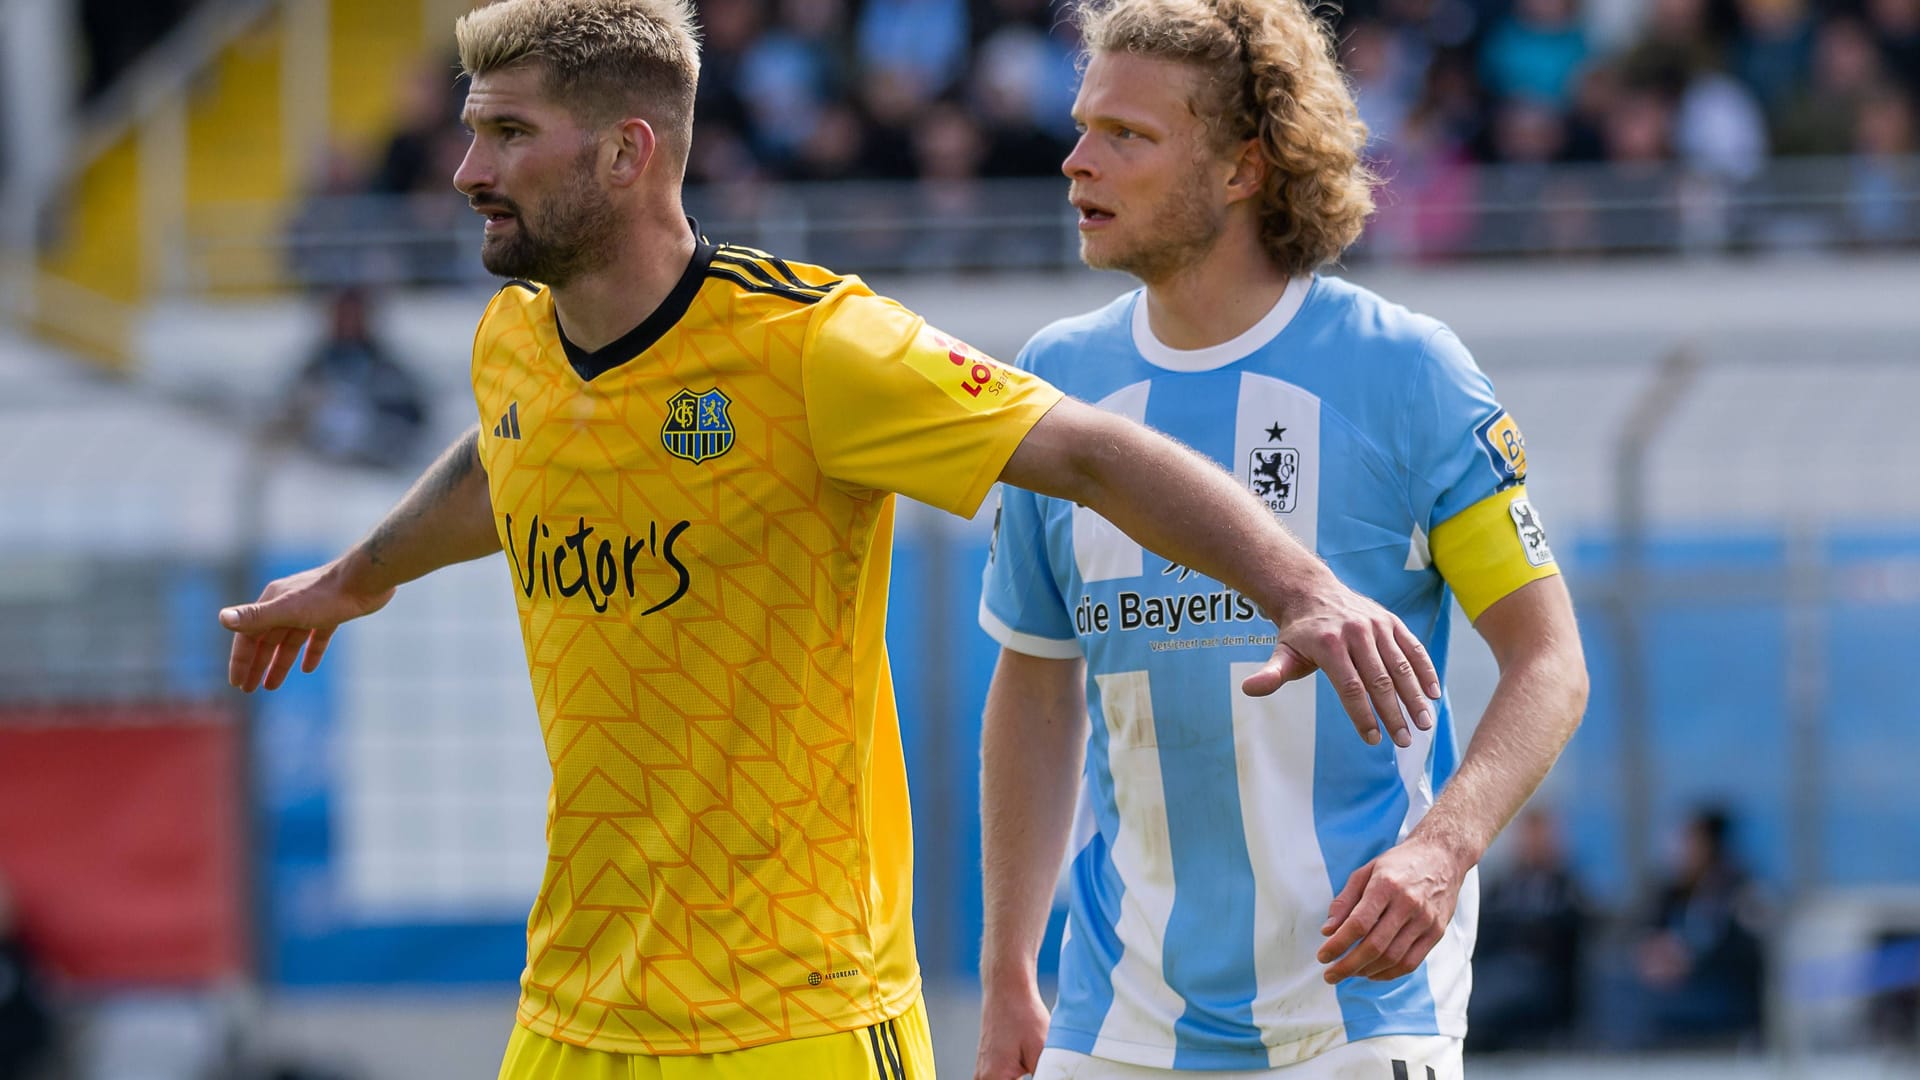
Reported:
(1352, 687)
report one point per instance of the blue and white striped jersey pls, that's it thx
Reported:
(1214, 828)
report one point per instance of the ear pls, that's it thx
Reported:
(1249, 171)
(631, 144)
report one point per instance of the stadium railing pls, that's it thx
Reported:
(1498, 211)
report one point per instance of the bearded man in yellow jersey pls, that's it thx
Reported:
(689, 452)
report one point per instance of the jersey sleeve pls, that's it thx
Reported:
(1020, 602)
(895, 405)
(1468, 461)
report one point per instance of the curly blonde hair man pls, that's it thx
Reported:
(1252, 888)
(1266, 78)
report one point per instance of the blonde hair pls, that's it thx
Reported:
(1267, 73)
(601, 59)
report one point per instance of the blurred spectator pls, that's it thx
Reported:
(1773, 49)
(26, 1021)
(351, 401)
(1023, 86)
(1526, 964)
(918, 46)
(1881, 207)
(894, 103)
(791, 72)
(1896, 25)
(1846, 67)
(836, 147)
(720, 113)
(1699, 965)
(1387, 80)
(430, 103)
(1719, 130)
(949, 149)
(1535, 52)
(1527, 137)
(321, 243)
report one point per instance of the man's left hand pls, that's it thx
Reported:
(1392, 912)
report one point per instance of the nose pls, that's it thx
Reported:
(1079, 162)
(475, 173)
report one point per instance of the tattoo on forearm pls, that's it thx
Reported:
(434, 487)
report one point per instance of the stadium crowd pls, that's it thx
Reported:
(1635, 123)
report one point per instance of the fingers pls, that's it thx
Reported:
(1287, 665)
(266, 651)
(1343, 904)
(284, 657)
(1424, 672)
(240, 659)
(1358, 919)
(1372, 944)
(1352, 687)
(1382, 695)
(1406, 677)
(1409, 949)
(316, 648)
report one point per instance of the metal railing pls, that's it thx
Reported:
(1476, 212)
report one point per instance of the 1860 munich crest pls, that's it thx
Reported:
(698, 426)
(1275, 473)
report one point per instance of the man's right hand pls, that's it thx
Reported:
(1013, 1030)
(294, 612)
(1376, 665)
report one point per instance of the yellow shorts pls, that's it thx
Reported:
(899, 1049)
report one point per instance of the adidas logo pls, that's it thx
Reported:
(509, 425)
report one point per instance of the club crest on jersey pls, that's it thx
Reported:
(1274, 473)
(1505, 447)
(698, 426)
(1533, 537)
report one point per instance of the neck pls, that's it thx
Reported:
(599, 306)
(1217, 298)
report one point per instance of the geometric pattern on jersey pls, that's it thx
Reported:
(1213, 829)
(698, 521)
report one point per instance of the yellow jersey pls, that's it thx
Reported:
(698, 522)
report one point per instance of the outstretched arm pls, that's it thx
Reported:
(445, 518)
(1183, 507)
(1031, 745)
(1394, 909)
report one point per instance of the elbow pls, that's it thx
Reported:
(1577, 685)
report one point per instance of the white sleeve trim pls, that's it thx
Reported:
(1028, 644)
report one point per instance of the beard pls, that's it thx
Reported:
(1180, 230)
(572, 234)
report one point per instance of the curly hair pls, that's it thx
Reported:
(1267, 74)
(602, 59)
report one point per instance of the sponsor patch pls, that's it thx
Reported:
(1505, 447)
(968, 376)
(1533, 537)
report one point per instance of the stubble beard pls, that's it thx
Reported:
(1184, 228)
(573, 234)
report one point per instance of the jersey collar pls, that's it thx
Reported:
(592, 365)
(1219, 356)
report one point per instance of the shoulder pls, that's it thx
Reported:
(515, 306)
(752, 271)
(1370, 326)
(1069, 337)
(514, 296)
